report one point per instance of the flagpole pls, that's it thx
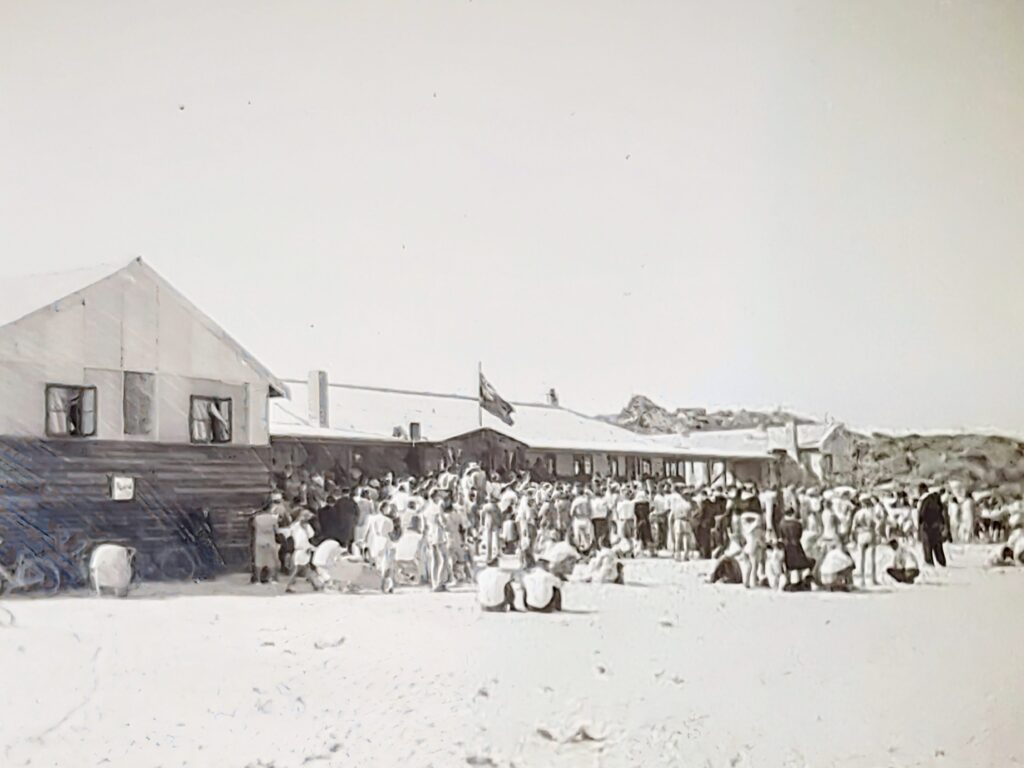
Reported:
(479, 405)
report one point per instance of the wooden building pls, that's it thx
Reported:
(128, 416)
(372, 429)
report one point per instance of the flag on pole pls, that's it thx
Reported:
(494, 403)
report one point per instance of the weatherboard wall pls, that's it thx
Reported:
(55, 501)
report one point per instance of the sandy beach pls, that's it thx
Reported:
(665, 670)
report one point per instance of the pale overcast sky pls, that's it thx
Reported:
(814, 204)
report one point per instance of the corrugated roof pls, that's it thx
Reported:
(27, 294)
(378, 412)
(749, 442)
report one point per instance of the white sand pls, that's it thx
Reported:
(665, 671)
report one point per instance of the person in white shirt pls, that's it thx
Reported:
(365, 506)
(904, 568)
(625, 517)
(379, 546)
(494, 590)
(581, 533)
(301, 533)
(681, 525)
(599, 518)
(542, 592)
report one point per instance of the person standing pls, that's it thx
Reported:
(791, 535)
(933, 525)
(599, 517)
(264, 542)
(967, 512)
(435, 521)
(347, 512)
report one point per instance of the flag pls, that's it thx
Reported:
(494, 403)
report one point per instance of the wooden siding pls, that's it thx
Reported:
(55, 503)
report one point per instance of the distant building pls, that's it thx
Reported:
(111, 377)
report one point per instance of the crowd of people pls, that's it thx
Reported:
(518, 538)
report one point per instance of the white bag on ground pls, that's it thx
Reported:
(110, 569)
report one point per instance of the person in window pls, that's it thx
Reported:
(219, 415)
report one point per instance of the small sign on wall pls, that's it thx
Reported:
(122, 488)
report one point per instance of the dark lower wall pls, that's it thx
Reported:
(184, 520)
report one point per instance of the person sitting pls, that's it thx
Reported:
(835, 573)
(728, 569)
(603, 568)
(494, 590)
(904, 568)
(541, 590)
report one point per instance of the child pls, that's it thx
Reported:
(904, 566)
(775, 567)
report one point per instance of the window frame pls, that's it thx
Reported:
(646, 467)
(613, 466)
(81, 389)
(219, 400)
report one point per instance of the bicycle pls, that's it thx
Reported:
(30, 573)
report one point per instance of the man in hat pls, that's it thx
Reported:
(933, 525)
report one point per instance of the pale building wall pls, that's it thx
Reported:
(126, 322)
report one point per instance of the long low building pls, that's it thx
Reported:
(348, 427)
(130, 416)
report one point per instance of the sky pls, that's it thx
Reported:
(816, 205)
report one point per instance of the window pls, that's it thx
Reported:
(671, 468)
(552, 464)
(613, 466)
(138, 403)
(210, 419)
(645, 467)
(70, 411)
(583, 465)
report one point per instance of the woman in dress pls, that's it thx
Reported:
(791, 534)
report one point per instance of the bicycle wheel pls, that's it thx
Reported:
(176, 564)
(37, 574)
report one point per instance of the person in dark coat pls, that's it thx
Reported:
(348, 516)
(329, 521)
(933, 525)
(790, 532)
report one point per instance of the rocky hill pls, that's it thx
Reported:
(981, 461)
(642, 414)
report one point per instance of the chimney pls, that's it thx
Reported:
(319, 399)
(414, 431)
(552, 397)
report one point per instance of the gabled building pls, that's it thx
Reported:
(128, 415)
